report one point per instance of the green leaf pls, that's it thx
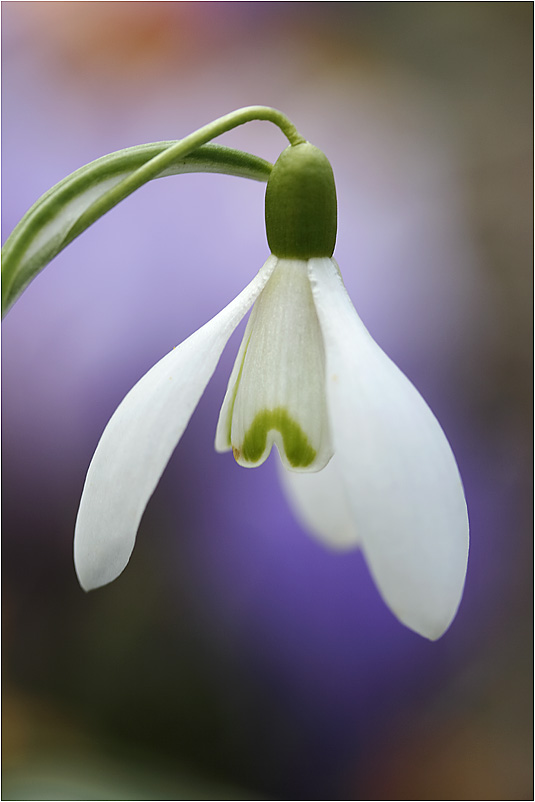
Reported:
(72, 205)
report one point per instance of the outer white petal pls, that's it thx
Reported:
(320, 503)
(139, 440)
(400, 474)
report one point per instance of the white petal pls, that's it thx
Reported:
(276, 392)
(320, 504)
(400, 474)
(139, 440)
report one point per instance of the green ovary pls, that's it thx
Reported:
(298, 450)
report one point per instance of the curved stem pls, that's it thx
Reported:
(66, 210)
(184, 146)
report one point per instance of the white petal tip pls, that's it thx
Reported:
(91, 575)
(101, 550)
(431, 630)
(429, 607)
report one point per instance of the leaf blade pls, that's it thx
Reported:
(77, 201)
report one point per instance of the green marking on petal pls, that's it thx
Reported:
(298, 450)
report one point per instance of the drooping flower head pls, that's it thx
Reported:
(365, 462)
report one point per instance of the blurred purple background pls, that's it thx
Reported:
(235, 657)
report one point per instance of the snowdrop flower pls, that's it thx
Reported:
(364, 461)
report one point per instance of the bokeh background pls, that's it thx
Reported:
(236, 658)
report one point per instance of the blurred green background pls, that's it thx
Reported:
(236, 658)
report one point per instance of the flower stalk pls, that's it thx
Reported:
(155, 166)
(79, 200)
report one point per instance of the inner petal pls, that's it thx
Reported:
(277, 390)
